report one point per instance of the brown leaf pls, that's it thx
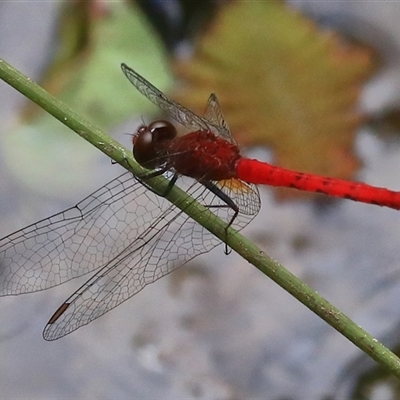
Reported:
(282, 83)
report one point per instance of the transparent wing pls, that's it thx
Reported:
(214, 114)
(130, 234)
(73, 242)
(245, 195)
(170, 240)
(175, 110)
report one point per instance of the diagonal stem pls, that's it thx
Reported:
(206, 218)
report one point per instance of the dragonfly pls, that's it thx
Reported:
(124, 234)
(212, 153)
(129, 236)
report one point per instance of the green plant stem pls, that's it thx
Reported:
(206, 218)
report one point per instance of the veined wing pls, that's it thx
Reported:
(132, 235)
(245, 195)
(76, 241)
(214, 114)
(169, 241)
(175, 110)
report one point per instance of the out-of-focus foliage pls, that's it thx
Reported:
(386, 124)
(94, 38)
(281, 82)
(176, 21)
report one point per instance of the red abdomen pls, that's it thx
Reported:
(257, 172)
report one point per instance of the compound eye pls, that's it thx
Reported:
(162, 130)
(146, 143)
(143, 148)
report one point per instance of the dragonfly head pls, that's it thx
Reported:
(146, 143)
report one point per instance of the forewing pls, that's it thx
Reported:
(169, 241)
(213, 120)
(78, 240)
(175, 110)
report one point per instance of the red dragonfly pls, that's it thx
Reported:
(124, 233)
(131, 235)
(209, 152)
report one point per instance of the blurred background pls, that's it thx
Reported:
(312, 86)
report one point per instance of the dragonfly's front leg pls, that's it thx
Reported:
(142, 178)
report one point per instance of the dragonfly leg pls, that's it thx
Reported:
(142, 178)
(229, 204)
